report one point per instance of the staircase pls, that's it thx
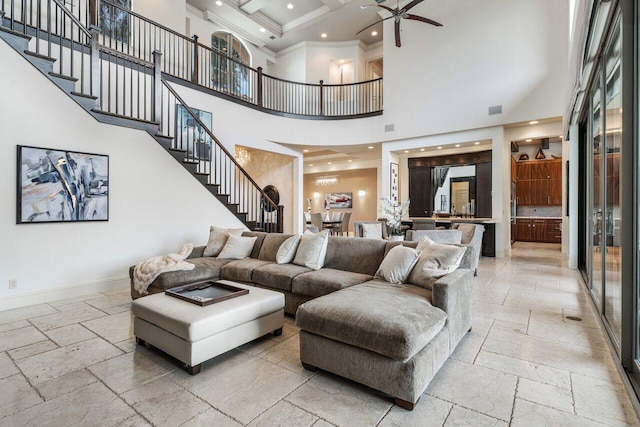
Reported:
(123, 90)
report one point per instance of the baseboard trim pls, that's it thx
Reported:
(63, 292)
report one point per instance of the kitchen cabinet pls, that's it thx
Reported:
(539, 183)
(538, 230)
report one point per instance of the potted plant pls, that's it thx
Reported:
(394, 213)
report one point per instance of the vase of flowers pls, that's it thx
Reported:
(393, 213)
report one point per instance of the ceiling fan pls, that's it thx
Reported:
(398, 14)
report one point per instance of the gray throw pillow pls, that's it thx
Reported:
(312, 250)
(218, 238)
(287, 250)
(397, 264)
(436, 260)
(237, 247)
(467, 231)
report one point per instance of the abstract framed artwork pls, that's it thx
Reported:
(393, 182)
(191, 136)
(338, 200)
(61, 186)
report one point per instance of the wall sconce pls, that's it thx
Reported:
(361, 193)
(316, 195)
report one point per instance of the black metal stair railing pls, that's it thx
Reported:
(197, 147)
(57, 34)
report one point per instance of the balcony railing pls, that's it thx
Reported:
(187, 59)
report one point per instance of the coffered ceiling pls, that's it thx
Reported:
(279, 24)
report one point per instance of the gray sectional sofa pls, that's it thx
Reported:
(391, 337)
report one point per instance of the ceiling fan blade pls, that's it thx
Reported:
(410, 5)
(377, 22)
(421, 19)
(398, 44)
(387, 8)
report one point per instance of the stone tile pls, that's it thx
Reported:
(481, 326)
(460, 416)
(602, 400)
(545, 394)
(23, 313)
(131, 370)
(429, 412)
(93, 405)
(65, 384)
(118, 309)
(109, 301)
(56, 363)
(475, 387)
(71, 334)
(524, 369)
(127, 345)
(164, 403)
(240, 385)
(520, 328)
(265, 342)
(287, 355)
(119, 289)
(527, 414)
(78, 299)
(554, 354)
(323, 423)
(340, 401)
(588, 318)
(500, 312)
(7, 367)
(14, 325)
(211, 417)
(114, 328)
(552, 327)
(284, 414)
(20, 337)
(71, 306)
(136, 421)
(468, 348)
(33, 349)
(16, 395)
(66, 318)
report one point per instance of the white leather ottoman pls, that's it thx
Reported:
(194, 334)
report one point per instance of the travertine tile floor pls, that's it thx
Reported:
(73, 363)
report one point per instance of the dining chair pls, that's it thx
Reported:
(424, 224)
(336, 216)
(344, 225)
(316, 220)
(306, 220)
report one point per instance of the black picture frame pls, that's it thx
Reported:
(394, 183)
(57, 185)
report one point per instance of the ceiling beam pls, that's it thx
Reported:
(252, 6)
(306, 19)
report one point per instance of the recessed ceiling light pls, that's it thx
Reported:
(310, 164)
(305, 151)
(374, 33)
(370, 147)
(350, 160)
(439, 148)
(342, 61)
(329, 163)
(323, 35)
(533, 122)
(457, 145)
(477, 143)
(561, 137)
(528, 140)
(422, 149)
(406, 151)
(262, 30)
(290, 6)
(218, 2)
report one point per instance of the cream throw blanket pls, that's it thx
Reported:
(147, 271)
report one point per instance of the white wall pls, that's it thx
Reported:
(155, 205)
(495, 52)
(170, 13)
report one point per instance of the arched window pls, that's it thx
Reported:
(231, 67)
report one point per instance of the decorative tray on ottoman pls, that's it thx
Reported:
(206, 293)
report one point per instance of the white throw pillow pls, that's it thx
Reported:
(218, 238)
(435, 261)
(312, 250)
(287, 250)
(397, 265)
(237, 247)
(372, 231)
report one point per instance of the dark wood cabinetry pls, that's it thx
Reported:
(539, 230)
(539, 183)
